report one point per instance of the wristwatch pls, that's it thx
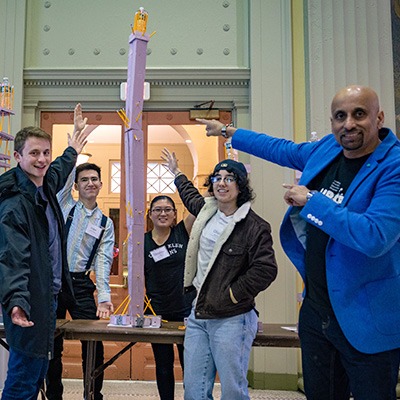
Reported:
(223, 131)
(310, 194)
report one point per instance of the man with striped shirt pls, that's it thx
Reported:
(90, 243)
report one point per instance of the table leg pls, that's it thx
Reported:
(90, 367)
(4, 344)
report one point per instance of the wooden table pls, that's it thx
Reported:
(59, 324)
(99, 331)
(272, 335)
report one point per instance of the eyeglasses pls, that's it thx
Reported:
(158, 210)
(93, 179)
(227, 179)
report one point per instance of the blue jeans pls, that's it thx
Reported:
(25, 376)
(85, 308)
(332, 367)
(221, 345)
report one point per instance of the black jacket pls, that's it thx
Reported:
(242, 261)
(26, 274)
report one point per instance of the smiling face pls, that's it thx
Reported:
(226, 191)
(34, 158)
(162, 213)
(356, 120)
(88, 185)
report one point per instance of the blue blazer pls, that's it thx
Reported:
(363, 252)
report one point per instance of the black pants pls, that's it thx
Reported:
(164, 358)
(332, 367)
(85, 308)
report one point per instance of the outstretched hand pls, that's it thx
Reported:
(171, 161)
(78, 138)
(79, 121)
(213, 127)
(18, 317)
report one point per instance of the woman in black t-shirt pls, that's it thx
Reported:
(164, 253)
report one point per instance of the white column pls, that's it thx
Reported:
(271, 112)
(349, 42)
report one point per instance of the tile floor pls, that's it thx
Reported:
(124, 390)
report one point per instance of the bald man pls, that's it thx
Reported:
(342, 233)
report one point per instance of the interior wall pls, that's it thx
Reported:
(271, 74)
(346, 41)
(349, 42)
(188, 33)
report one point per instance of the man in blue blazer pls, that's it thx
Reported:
(342, 232)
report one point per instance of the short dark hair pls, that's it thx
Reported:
(245, 191)
(86, 167)
(27, 132)
(162, 197)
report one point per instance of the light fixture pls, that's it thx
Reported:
(83, 158)
(123, 87)
(201, 111)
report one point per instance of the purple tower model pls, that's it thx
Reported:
(135, 166)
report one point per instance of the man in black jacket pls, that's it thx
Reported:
(33, 267)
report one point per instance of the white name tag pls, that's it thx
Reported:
(93, 230)
(160, 254)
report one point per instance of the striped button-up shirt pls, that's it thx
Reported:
(80, 243)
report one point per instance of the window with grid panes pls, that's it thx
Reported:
(159, 178)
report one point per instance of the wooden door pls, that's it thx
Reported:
(138, 362)
(121, 369)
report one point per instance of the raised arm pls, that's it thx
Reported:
(189, 221)
(189, 194)
(78, 139)
(170, 161)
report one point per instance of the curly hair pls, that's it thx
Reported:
(245, 191)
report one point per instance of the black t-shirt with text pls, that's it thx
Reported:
(333, 182)
(163, 273)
